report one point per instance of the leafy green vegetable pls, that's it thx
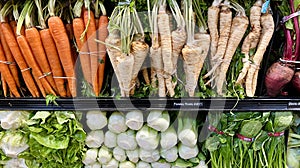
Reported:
(56, 139)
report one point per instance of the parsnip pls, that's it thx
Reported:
(267, 24)
(238, 29)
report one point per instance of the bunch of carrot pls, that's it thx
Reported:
(38, 46)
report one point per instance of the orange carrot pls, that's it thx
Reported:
(78, 28)
(6, 77)
(62, 43)
(89, 21)
(28, 55)
(13, 25)
(54, 61)
(14, 48)
(39, 84)
(35, 43)
(9, 57)
(69, 29)
(102, 35)
(4, 86)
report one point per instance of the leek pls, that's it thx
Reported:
(168, 139)
(126, 164)
(113, 163)
(116, 123)
(110, 139)
(187, 129)
(126, 140)
(94, 139)
(104, 155)
(96, 119)
(149, 156)
(133, 155)
(119, 154)
(134, 119)
(90, 157)
(142, 164)
(158, 120)
(187, 152)
(170, 155)
(147, 138)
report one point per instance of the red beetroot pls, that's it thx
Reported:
(296, 81)
(278, 75)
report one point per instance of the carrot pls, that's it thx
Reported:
(62, 43)
(267, 24)
(13, 25)
(213, 20)
(6, 76)
(54, 61)
(14, 48)
(102, 35)
(39, 84)
(239, 26)
(89, 21)
(78, 28)
(28, 55)
(34, 40)
(166, 46)
(69, 29)
(9, 57)
(4, 86)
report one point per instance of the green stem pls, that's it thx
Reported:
(41, 19)
(77, 9)
(23, 14)
(6, 9)
(51, 7)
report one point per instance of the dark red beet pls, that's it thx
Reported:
(278, 75)
(296, 81)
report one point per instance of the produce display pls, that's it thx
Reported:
(142, 48)
(149, 48)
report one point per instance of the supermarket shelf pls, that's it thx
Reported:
(186, 104)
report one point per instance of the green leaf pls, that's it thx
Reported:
(43, 115)
(51, 141)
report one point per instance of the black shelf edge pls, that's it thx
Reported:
(184, 104)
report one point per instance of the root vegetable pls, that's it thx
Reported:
(251, 40)
(277, 76)
(213, 20)
(267, 33)
(225, 28)
(166, 46)
(238, 29)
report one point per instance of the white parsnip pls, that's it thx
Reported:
(251, 40)
(267, 24)
(238, 29)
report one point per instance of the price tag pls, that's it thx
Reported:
(125, 2)
(265, 6)
(188, 104)
(294, 105)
